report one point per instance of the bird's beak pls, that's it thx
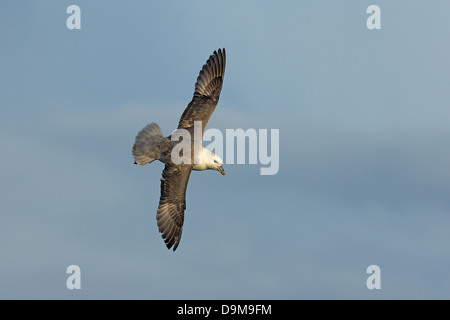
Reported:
(220, 169)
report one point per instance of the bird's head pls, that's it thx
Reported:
(214, 162)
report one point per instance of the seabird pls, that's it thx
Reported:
(151, 145)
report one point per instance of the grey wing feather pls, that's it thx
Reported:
(172, 204)
(207, 92)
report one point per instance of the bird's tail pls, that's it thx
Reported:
(150, 143)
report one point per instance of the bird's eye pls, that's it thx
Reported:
(215, 161)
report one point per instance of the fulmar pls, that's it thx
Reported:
(151, 145)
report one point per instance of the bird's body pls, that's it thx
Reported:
(151, 145)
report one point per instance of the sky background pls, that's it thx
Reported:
(364, 174)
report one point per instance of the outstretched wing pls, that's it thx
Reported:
(170, 215)
(207, 92)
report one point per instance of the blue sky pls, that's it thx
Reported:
(364, 150)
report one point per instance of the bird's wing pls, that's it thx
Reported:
(170, 214)
(207, 92)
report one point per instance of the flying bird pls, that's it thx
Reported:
(151, 145)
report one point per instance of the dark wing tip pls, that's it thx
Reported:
(211, 76)
(170, 223)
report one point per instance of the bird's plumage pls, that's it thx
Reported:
(151, 145)
(207, 92)
(172, 203)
